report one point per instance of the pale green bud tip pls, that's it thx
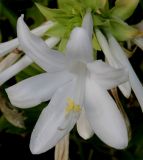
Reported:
(124, 9)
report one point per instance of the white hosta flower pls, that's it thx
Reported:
(9, 46)
(126, 87)
(134, 81)
(116, 55)
(77, 86)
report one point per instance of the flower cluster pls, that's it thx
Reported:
(75, 81)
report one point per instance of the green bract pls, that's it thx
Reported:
(124, 8)
(70, 14)
(121, 30)
(99, 20)
(96, 4)
(57, 30)
(95, 43)
(52, 14)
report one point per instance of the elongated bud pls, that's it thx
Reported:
(124, 8)
(87, 23)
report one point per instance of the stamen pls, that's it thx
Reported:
(71, 106)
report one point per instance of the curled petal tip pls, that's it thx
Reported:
(87, 23)
(22, 16)
(34, 149)
(79, 45)
(120, 145)
(83, 127)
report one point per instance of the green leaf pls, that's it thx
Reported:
(121, 30)
(72, 7)
(95, 43)
(67, 4)
(124, 8)
(31, 70)
(36, 21)
(58, 30)
(8, 14)
(96, 4)
(63, 44)
(74, 22)
(50, 14)
(98, 20)
(63, 29)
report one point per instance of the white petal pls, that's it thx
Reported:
(134, 81)
(22, 63)
(136, 86)
(117, 50)
(87, 23)
(9, 60)
(39, 31)
(107, 76)
(33, 91)
(79, 46)
(52, 41)
(113, 58)
(53, 124)
(125, 88)
(62, 149)
(83, 127)
(37, 49)
(139, 25)
(8, 46)
(104, 116)
(139, 42)
(14, 69)
(105, 47)
(80, 77)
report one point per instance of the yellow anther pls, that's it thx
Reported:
(77, 108)
(71, 106)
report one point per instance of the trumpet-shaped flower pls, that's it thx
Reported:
(77, 86)
(110, 56)
(116, 55)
